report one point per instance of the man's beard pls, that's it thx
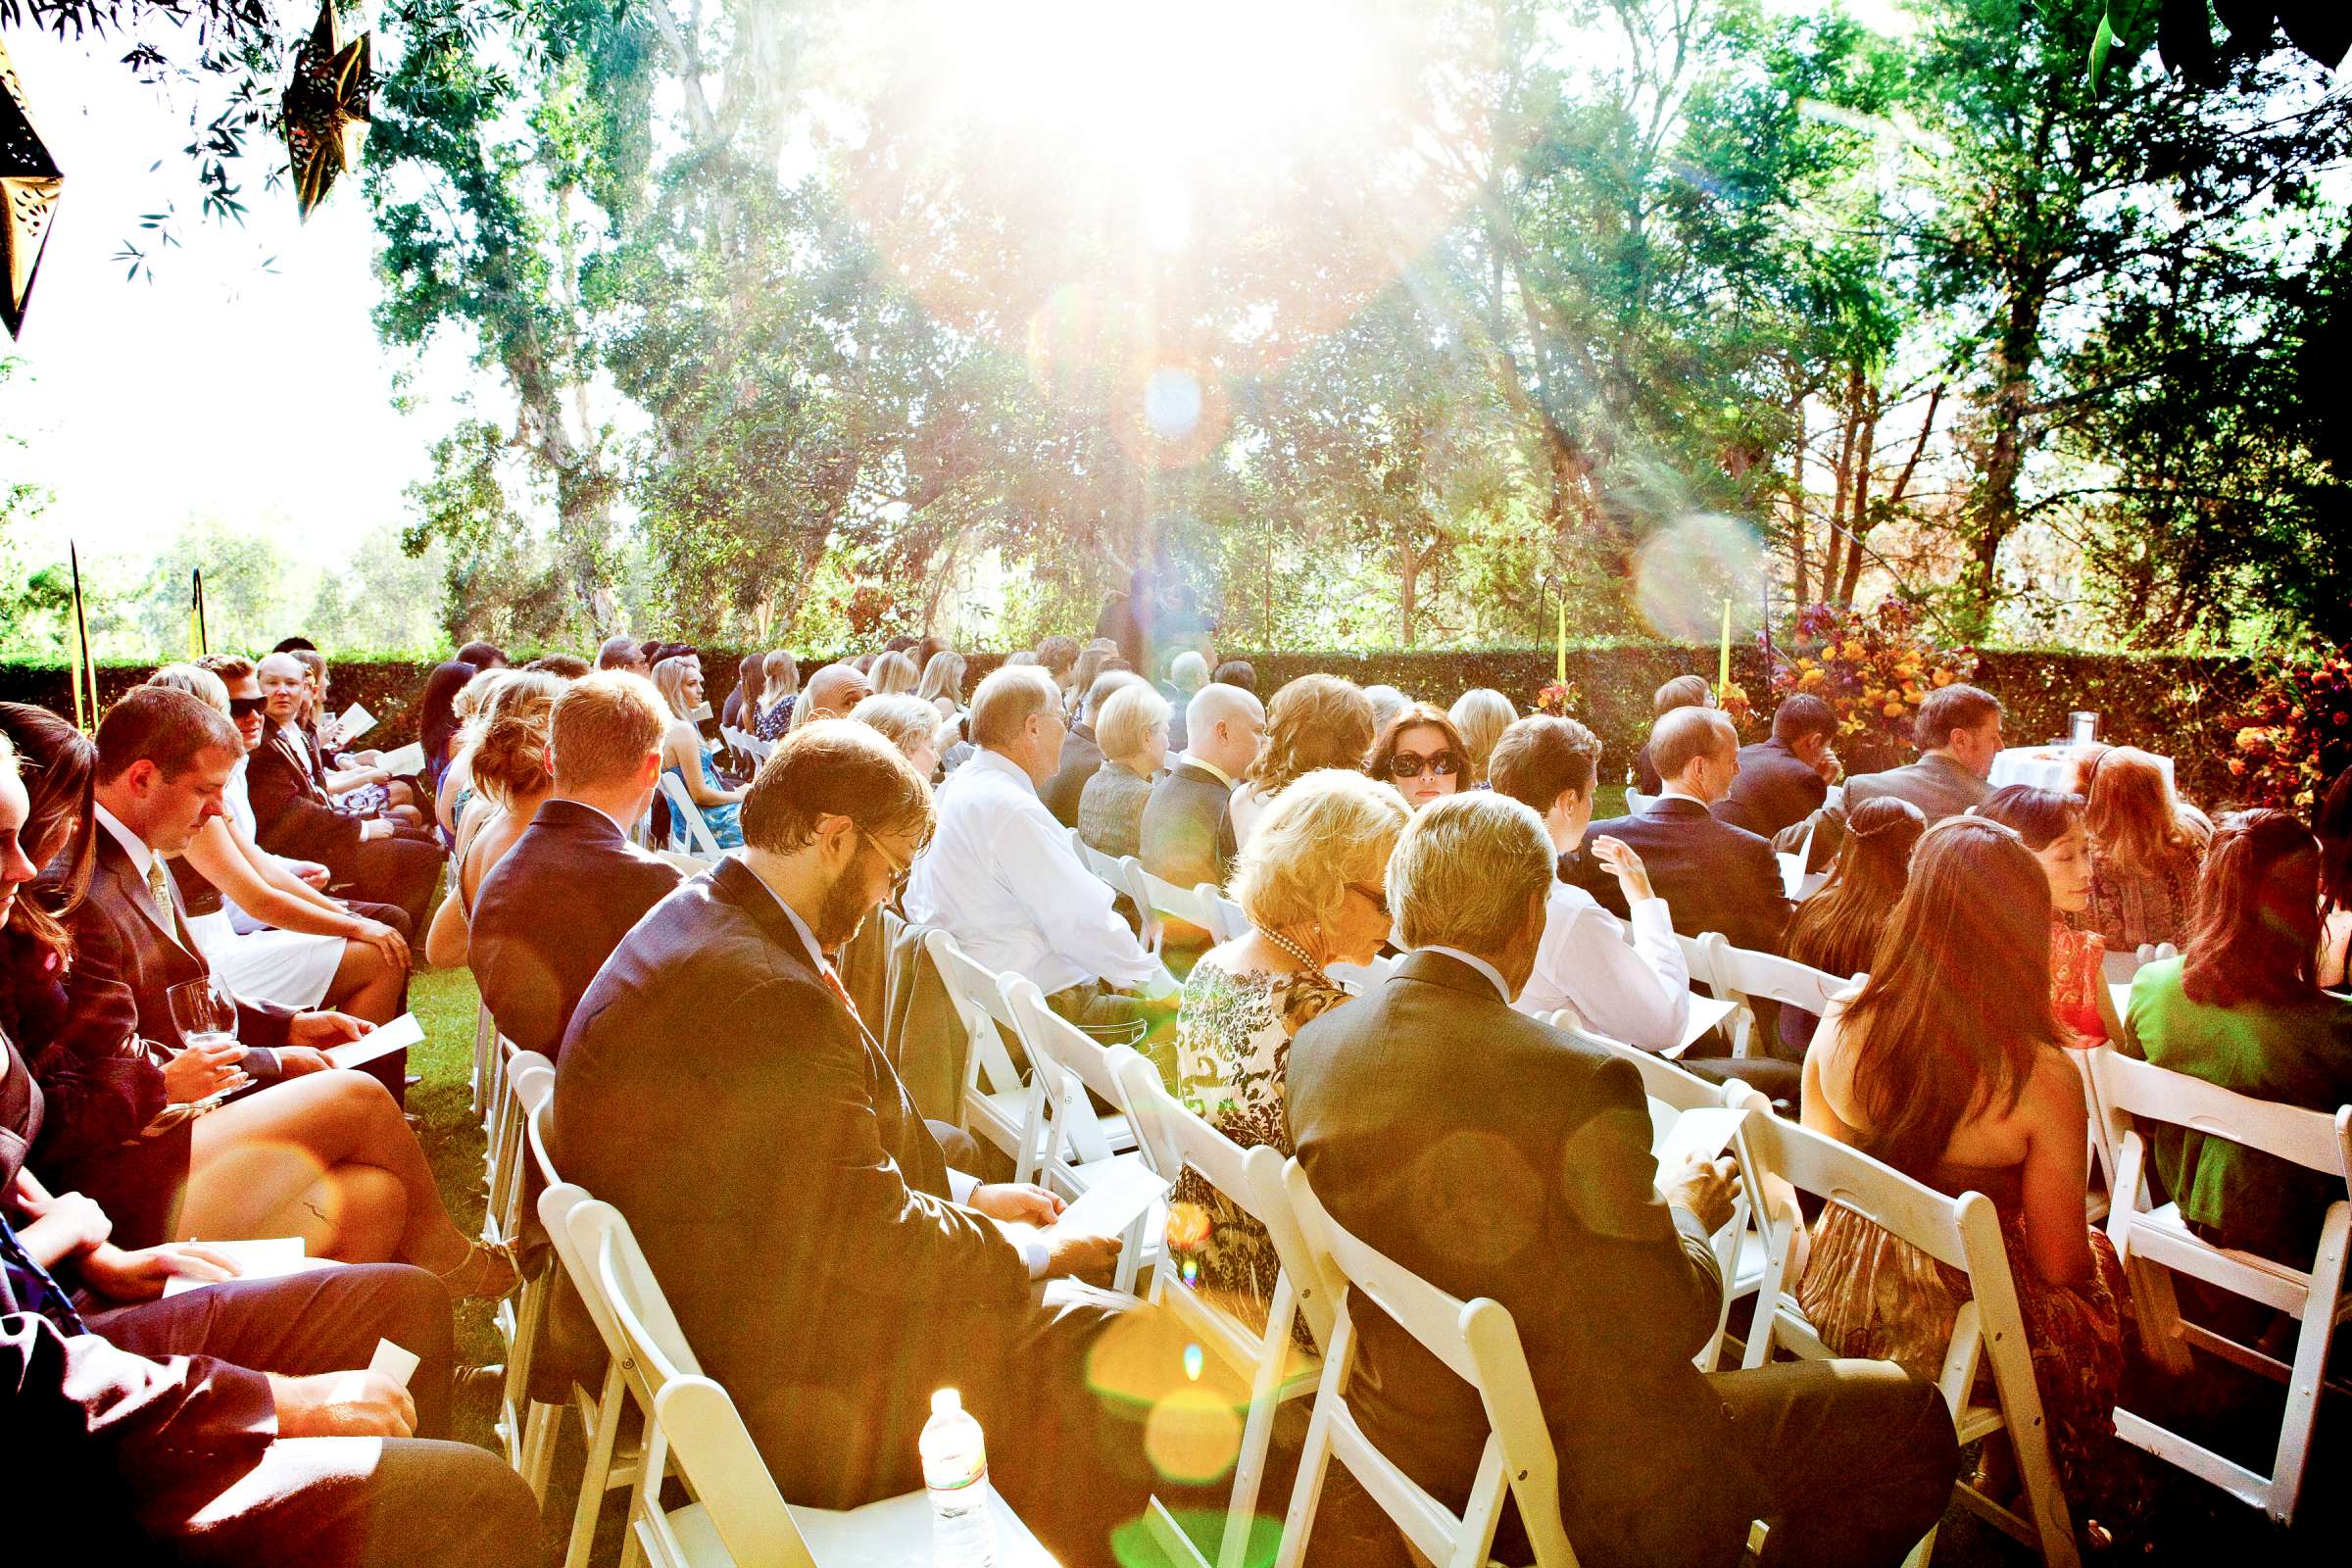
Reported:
(840, 914)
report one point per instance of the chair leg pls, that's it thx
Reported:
(2311, 1369)
(542, 1425)
(596, 1474)
(1307, 1494)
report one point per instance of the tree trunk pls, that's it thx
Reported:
(1800, 529)
(1995, 509)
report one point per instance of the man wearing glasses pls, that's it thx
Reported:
(719, 1087)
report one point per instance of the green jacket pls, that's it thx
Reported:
(2299, 1054)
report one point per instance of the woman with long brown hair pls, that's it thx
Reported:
(1945, 1063)
(2144, 849)
(2242, 1008)
(2051, 823)
(1836, 930)
(1314, 721)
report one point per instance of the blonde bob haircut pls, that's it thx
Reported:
(894, 674)
(1328, 828)
(904, 719)
(1125, 721)
(206, 686)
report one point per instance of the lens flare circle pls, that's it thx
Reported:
(1685, 573)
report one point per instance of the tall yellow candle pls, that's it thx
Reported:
(1723, 670)
(1561, 670)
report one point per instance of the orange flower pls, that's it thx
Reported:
(1188, 1226)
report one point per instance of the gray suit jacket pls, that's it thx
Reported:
(1936, 784)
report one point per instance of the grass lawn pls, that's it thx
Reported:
(445, 1001)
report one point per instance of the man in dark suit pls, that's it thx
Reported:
(556, 906)
(1081, 754)
(1494, 1157)
(1959, 734)
(1785, 778)
(827, 1265)
(370, 858)
(1714, 876)
(1188, 833)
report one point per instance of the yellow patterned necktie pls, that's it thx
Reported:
(159, 884)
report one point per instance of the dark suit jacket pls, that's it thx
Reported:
(1493, 1155)
(551, 912)
(291, 814)
(1080, 757)
(1188, 827)
(785, 1190)
(1713, 877)
(1774, 788)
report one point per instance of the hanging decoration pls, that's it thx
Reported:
(326, 108)
(85, 665)
(199, 644)
(29, 183)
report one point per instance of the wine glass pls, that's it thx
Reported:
(206, 1015)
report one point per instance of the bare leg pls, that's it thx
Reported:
(365, 984)
(250, 1161)
(353, 1214)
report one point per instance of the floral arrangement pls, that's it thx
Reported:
(1560, 699)
(1872, 667)
(1738, 706)
(2296, 731)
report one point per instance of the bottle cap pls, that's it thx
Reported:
(945, 1401)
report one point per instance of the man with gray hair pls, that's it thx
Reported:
(1387, 703)
(1187, 672)
(1494, 1156)
(621, 654)
(1001, 878)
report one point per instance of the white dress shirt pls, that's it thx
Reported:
(1640, 994)
(141, 856)
(1001, 877)
(961, 1186)
(1493, 974)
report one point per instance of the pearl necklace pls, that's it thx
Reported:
(1295, 950)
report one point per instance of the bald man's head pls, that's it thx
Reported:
(831, 693)
(1224, 727)
(285, 686)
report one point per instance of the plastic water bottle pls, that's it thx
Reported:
(956, 1474)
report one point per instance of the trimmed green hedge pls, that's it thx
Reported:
(2179, 705)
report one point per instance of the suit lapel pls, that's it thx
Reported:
(135, 887)
(294, 759)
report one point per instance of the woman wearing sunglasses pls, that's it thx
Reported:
(1421, 754)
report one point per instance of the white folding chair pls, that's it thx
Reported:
(1196, 906)
(1792, 871)
(1228, 922)
(686, 818)
(609, 1465)
(1636, 803)
(997, 1104)
(691, 864)
(1964, 1233)
(532, 1087)
(1710, 1004)
(2133, 1093)
(1741, 1251)
(1133, 880)
(504, 1151)
(739, 1519)
(486, 1064)
(2120, 968)
(1173, 1139)
(1741, 976)
(1077, 1144)
(1478, 1341)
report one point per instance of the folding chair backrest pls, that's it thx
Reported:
(686, 816)
(2130, 1090)
(1698, 957)
(530, 1084)
(691, 864)
(1744, 974)
(2120, 968)
(1172, 1138)
(1479, 1343)
(1170, 901)
(1231, 924)
(1636, 803)
(980, 1003)
(1661, 1079)
(1136, 882)
(724, 1469)
(1057, 1046)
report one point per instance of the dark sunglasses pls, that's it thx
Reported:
(1377, 896)
(1411, 765)
(243, 706)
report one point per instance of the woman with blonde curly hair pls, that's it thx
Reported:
(1314, 883)
(505, 748)
(894, 674)
(679, 680)
(1314, 721)
(2145, 849)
